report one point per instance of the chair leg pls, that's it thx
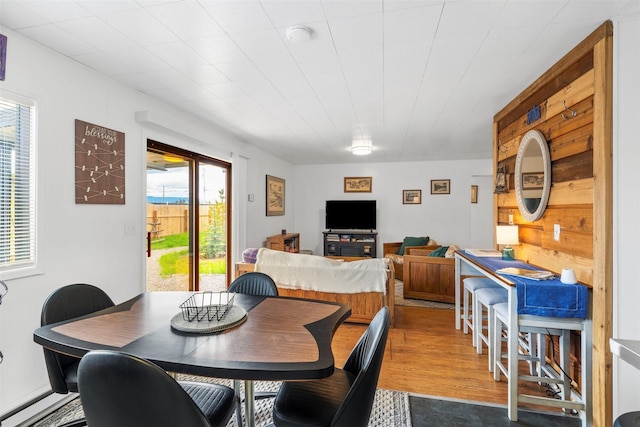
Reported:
(236, 387)
(264, 395)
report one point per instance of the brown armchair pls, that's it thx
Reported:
(428, 277)
(390, 250)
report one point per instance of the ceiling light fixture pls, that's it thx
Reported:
(361, 147)
(299, 34)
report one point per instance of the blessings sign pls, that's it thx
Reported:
(99, 165)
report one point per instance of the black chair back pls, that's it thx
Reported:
(118, 389)
(365, 362)
(67, 303)
(254, 283)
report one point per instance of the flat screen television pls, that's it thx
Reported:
(350, 215)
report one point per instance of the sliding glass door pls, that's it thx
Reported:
(188, 230)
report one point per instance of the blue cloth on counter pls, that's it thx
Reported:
(550, 298)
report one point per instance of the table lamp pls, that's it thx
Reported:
(507, 235)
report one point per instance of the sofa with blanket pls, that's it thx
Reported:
(366, 284)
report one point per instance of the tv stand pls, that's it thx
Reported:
(353, 243)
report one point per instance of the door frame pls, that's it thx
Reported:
(194, 183)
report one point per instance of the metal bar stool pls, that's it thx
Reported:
(471, 285)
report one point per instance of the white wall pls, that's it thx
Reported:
(259, 226)
(449, 219)
(87, 243)
(626, 154)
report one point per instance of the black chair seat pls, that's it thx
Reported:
(119, 389)
(215, 401)
(254, 283)
(311, 403)
(66, 303)
(345, 398)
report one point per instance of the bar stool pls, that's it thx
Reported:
(544, 373)
(531, 343)
(471, 285)
(486, 298)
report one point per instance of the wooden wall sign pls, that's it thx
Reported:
(99, 165)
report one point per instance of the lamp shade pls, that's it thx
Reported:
(361, 147)
(507, 235)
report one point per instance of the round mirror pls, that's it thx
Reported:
(533, 175)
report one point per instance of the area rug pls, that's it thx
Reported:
(400, 300)
(455, 413)
(390, 408)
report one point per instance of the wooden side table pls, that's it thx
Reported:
(288, 242)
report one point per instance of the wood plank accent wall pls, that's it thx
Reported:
(582, 181)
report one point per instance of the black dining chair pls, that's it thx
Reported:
(67, 303)
(346, 397)
(260, 284)
(119, 389)
(254, 283)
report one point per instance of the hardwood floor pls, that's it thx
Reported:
(426, 355)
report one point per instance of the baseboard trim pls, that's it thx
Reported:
(36, 409)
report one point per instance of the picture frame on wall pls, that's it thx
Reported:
(357, 184)
(474, 194)
(3, 56)
(275, 196)
(532, 180)
(411, 197)
(440, 186)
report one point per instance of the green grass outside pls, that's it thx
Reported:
(172, 241)
(178, 262)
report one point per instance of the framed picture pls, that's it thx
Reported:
(532, 180)
(357, 184)
(440, 186)
(3, 56)
(411, 197)
(474, 194)
(275, 196)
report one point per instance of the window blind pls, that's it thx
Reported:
(17, 183)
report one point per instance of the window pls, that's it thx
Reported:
(17, 183)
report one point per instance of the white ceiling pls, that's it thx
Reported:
(422, 78)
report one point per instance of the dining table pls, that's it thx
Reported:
(280, 338)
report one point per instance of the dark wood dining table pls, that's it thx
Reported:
(281, 339)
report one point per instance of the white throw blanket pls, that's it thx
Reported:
(316, 273)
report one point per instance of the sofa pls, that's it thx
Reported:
(329, 279)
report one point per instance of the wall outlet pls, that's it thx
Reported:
(510, 219)
(556, 232)
(129, 228)
(250, 197)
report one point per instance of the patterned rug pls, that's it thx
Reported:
(417, 302)
(390, 408)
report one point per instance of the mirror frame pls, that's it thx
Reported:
(533, 137)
